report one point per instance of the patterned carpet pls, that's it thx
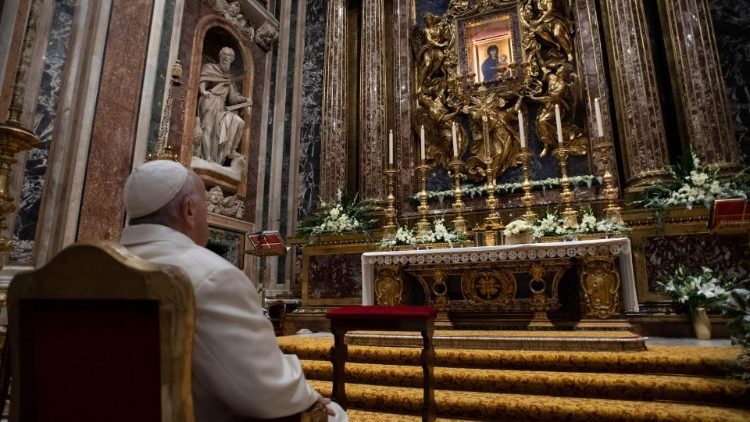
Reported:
(663, 383)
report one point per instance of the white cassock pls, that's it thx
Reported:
(238, 369)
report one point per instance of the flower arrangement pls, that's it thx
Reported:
(549, 225)
(698, 184)
(344, 215)
(439, 234)
(406, 236)
(590, 224)
(697, 291)
(517, 227)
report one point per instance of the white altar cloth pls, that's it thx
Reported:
(619, 247)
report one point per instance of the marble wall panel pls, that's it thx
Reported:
(114, 131)
(312, 108)
(45, 117)
(161, 76)
(721, 253)
(335, 276)
(227, 244)
(731, 21)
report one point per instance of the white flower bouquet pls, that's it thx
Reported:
(697, 291)
(517, 227)
(549, 226)
(404, 236)
(590, 224)
(697, 184)
(344, 215)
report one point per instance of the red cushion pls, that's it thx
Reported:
(382, 312)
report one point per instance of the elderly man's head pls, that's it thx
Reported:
(226, 57)
(166, 193)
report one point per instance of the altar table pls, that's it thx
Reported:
(601, 282)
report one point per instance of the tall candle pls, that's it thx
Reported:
(520, 129)
(559, 124)
(486, 136)
(421, 141)
(597, 108)
(455, 144)
(390, 147)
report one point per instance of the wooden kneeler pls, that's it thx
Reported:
(383, 318)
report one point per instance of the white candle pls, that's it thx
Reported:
(559, 124)
(421, 139)
(486, 136)
(455, 144)
(520, 129)
(390, 147)
(599, 128)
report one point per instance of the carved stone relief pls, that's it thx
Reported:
(230, 206)
(266, 34)
(232, 12)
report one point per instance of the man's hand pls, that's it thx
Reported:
(325, 402)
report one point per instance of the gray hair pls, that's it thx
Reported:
(226, 50)
(169, 214)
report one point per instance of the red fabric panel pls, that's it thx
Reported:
(90, 361)
(383, 312)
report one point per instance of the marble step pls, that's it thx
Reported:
(673, 388)
(517, 407)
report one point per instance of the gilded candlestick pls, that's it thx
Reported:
(423, 225)
(459, 223)
(528, 199)
(570, 216)
(492, 221)
(390, 211)
(612, 211)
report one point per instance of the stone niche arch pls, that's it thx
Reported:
(212, 34)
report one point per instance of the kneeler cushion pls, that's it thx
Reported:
(383, 312)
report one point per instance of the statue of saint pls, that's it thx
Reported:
(218, 108)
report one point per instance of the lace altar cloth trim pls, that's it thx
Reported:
(574, 249)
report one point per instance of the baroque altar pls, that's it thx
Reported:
(510, 285)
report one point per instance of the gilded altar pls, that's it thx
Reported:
(510, 285)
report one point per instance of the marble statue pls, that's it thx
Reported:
(221, 126)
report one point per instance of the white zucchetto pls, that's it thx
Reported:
(151, 186)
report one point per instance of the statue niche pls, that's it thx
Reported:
(220, 135)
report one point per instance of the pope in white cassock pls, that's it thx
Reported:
(238, 369)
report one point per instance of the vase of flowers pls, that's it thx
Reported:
(698, 292)
(518, 232)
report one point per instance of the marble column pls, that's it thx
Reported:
(590, 60)
(637, 101)
(333, 133)
(697, 80)
(373, 132)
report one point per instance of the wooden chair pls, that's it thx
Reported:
(99, 334)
